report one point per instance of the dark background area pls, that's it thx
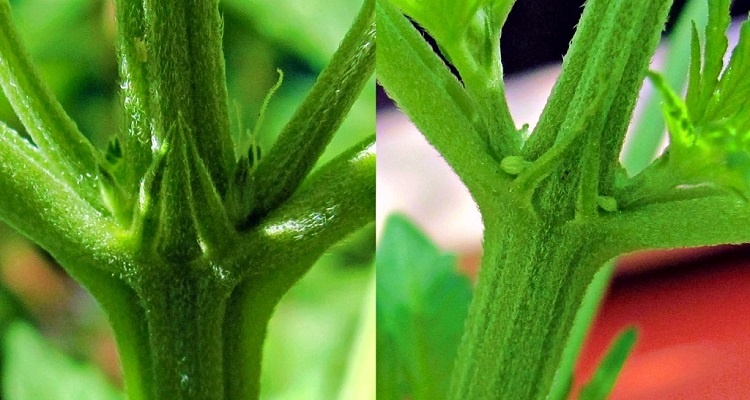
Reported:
(538, 33)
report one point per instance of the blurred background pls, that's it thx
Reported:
(690, 306)
(72, 44)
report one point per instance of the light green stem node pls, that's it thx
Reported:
(607, 203)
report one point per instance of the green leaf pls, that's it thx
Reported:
(422, 303)
(715, 152)
(733, 90)
(446, 20)
(35, 370)
(713, 60)
(648, 131)
(604, 378)
(359, 382)
(585, 315)
(306, 30)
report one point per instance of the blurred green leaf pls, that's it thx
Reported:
(422, 304)
(604, 378)
(359, 382)
(581, 325)
(310, 28)
(35, 370)
(446, 20)
(313, 328)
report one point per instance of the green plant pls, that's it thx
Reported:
(186, 239)
(557, 203)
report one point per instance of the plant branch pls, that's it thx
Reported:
(249, 309)
(48, 211)
(582, 47)
(209, 86)
(135, 97)
(407, 67)
(307, 134)
(705, 221)
(605, 66)
(127, 318)
(583, 133)
(621, 110)
(53, 132)
(483, 80)
(185, 72)
(335, 201)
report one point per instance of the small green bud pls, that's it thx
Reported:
(239, 199)
(607, 203)
(514, 165)
(113, 197)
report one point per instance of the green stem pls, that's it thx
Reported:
(46, 209)
(703, 221)
(336, 200)
(127, 319)
(484, 83)
(249, 309)
(185, 71)
(185, 310)
(605, 65)
(407, 67)
(53, 132)
(133, 60)
(307, 134)
(531, 283)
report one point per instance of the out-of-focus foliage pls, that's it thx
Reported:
(35, 370)
(422, 304)
(307, 351)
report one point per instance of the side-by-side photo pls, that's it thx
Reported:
(374, 199)
(187, 199)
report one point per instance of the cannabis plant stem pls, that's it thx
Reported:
(185, 73)
(300, 221)
(543, 241)
(510, 307)
(186, 342)
(557, 211)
